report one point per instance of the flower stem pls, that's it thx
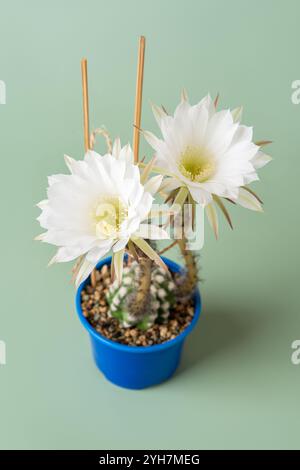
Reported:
(139, 304)
(191, 279)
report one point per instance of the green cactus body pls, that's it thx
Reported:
(154, 307)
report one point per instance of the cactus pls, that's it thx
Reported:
(144, 297)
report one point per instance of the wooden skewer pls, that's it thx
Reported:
(138, 99)
(86, 126)
(85, 97)
(167, 247)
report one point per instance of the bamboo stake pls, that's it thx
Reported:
(86, 126)
(161, 252)
(138, 99)
(85, 96)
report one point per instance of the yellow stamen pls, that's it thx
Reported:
(108, 216)
(196, 165)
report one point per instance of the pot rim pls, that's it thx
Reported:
(139, 349)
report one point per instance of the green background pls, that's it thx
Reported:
(236, 386)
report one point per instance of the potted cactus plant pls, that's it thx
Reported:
(138, 306)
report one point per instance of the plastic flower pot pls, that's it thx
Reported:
(137, 367)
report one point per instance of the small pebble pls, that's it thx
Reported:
(163, 331)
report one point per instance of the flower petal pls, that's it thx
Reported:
(116, 148)
(84, 271)
(260, 159)
(184, 95)
(219, 202)
(153, 184)
(118, 262)
(147, 170)
(248, 200)
(200, 195)
(169, 184)
(152, 140)
(126, 154)
(65, 254)
(158, 112)
(120, 244)
(237, 114)
(96, 253)
(179, 200)
(213, 218)
(146, 248)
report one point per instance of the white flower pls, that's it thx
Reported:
(99, 207)
(206, 152)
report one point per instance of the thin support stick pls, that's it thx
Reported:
(138, 99)
(86, 130)
(168, 247)
(85, 96)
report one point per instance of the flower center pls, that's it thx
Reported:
(109, 214)
(195, 165)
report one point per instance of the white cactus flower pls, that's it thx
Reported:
(100, 206)
(206, 152)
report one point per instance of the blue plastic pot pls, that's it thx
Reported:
(137, 367)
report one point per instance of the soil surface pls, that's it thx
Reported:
(95, 308)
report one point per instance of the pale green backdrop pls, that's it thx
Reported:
(236, 387)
